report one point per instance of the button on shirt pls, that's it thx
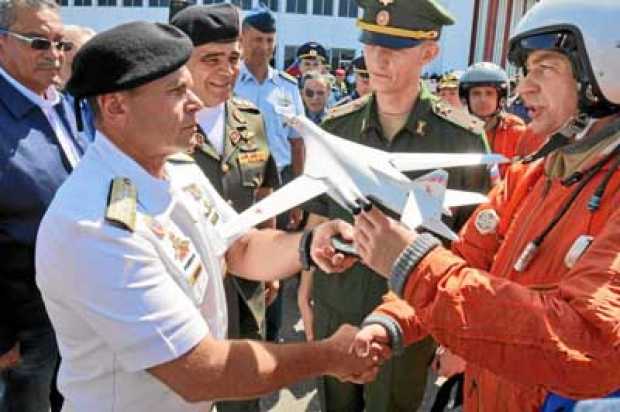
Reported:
(273, 89)
(123, 301)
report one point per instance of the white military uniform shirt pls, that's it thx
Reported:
(123, 301)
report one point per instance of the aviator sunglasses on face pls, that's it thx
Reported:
(40, 43)
(311, 93)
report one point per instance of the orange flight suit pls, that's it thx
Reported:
(505, 137)
(547, 328)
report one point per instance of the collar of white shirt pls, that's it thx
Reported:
(211, 120)
(154, 194)
(52, 97)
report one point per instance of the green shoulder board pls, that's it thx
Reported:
(458, 117)
(244, 105)
(342, 110)
(287, 77)
(122, 204)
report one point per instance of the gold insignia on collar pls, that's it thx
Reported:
(234, 136)
(383, 18)
(421, 127)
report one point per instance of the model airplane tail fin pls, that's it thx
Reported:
(424, 205)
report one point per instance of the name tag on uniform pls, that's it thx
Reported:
(253, 157)
(578, 248)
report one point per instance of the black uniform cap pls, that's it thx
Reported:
(262, 20)
(311, 50)
(206, 24)
(127, 56)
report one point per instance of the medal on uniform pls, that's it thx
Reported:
(383, 18)
(194, 190)
(578, 248)
(157, 228)
(180, 246)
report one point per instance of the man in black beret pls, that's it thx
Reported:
(233, 153)
(129, 258)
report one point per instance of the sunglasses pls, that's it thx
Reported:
(310, 93)
(40, 43)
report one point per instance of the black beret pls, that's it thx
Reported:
(127, 56)
(206, 24)
(262, 20)
(311, 50)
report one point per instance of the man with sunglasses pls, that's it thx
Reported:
(39, 147)
(315, 92)
(529, 294)
(399, 116)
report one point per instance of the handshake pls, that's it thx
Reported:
(357, 354)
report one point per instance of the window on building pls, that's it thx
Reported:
(347, 8)
(273, 5)
(82, 3)
(297, 6)
(290, 52)
(323, 7)
(242, 4)
(106, 3)
(341, 57)
(62, 2)
(132, 3)
(159, 3)
(212, 1)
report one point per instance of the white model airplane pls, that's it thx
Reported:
(351, 174)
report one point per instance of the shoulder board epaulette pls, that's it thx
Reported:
(458, 117)
(122, 204)
(344, 109)
(179, 158)
(284, 75)
(244, 105)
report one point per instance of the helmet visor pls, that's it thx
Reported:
(560, 41)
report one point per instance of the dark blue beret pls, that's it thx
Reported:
(127, 56)
(311, 50)
(262, 20)
(207, 24)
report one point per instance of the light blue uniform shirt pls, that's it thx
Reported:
(274, 87)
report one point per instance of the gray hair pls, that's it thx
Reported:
(318, 76)
(8, 9)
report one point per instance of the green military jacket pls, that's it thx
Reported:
(432, 126)
(245, 166)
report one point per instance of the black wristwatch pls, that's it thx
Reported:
(305, 244)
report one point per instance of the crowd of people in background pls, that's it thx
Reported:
(122, 152)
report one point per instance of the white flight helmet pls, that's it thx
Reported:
(586, 32)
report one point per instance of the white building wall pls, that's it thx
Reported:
(296, 29)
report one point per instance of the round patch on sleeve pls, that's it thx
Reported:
(486, 221)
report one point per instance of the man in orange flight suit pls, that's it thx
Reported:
(530, 294)
(484, 87)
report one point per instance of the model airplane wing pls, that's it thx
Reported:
(428, 161)
(298, 191)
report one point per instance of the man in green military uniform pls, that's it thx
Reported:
(232, 149)
(401, 115)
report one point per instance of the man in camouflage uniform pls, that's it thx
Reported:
(400, 115)
(232, 150)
